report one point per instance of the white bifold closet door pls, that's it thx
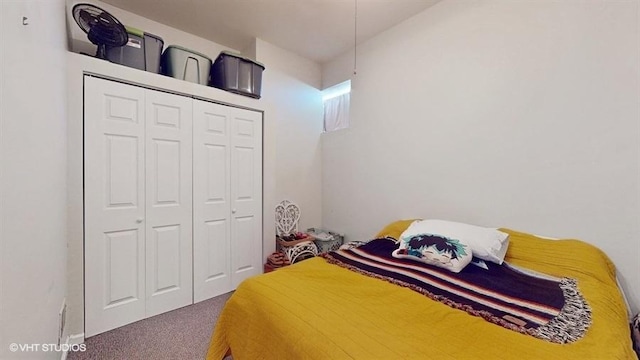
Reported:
(138, 203)
(169, 280)
(227, 190)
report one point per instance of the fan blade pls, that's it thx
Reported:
(88, 18)
(108, 34)
(105, 18)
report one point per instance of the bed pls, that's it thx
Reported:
(318, 309)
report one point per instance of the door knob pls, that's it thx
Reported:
(233, 211)
(139, 220)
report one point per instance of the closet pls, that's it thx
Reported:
(172, 201)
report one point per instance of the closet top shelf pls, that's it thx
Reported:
(79, 65)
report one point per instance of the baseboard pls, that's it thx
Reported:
(65, 352)
(76, 339)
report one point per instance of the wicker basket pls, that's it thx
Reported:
(280, 244)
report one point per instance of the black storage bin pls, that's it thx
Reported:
(237, 74)
(142, 51)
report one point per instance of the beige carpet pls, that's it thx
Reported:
(182, 334)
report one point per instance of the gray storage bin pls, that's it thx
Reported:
(237, 74)
(152, 52)
(185, 64)
(142, 51)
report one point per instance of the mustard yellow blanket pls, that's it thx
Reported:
(315, 310)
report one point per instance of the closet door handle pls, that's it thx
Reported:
(233, 211)
(139, 220)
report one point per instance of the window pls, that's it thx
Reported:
(336, 101)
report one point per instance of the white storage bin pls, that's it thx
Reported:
(325, 240)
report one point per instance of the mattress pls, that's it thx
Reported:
(317, 310)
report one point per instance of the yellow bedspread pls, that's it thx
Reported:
(315, 310)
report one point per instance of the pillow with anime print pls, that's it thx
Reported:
(436, 250)
(487, 244)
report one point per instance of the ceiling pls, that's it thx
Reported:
(318, 30)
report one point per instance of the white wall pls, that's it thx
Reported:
(33, 174)
(338, 70)
(294, 105)
(514, 114)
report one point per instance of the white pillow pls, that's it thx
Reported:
(486, 243)
(436, 250)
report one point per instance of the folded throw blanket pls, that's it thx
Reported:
(547, 308)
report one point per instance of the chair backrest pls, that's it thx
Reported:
(287, 217)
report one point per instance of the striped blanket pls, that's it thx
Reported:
(547, 308)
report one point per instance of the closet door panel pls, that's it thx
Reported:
(211, 194)
(173, 201)
(114, 203)
(246, 194)
(169, 202)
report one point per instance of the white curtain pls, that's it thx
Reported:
(336, 112)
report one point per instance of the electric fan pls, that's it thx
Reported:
(102, 28)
